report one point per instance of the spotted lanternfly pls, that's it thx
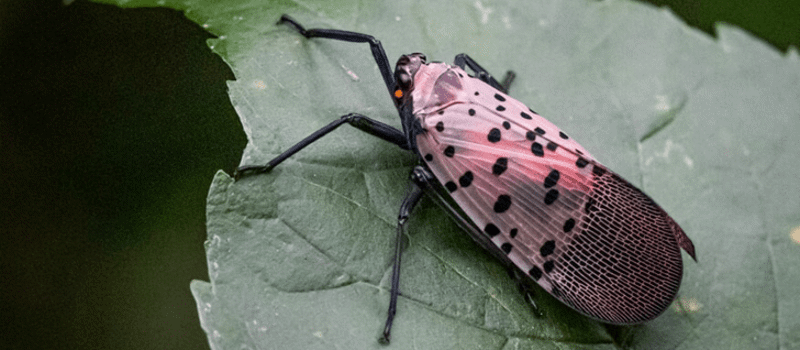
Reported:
(521, 188)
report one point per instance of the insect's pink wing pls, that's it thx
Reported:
(583, 233)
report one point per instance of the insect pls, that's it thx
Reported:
(522, 189)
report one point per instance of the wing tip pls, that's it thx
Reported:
(683, 240)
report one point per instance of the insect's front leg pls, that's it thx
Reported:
(463, 60)
(374, 44)
(360, 122)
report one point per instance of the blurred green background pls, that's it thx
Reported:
(112, 124)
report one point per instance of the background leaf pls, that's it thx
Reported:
(300, 258)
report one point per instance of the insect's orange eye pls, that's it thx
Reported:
(398, 93)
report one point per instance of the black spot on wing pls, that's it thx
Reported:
(547, 248)
(500, 166)
(491, 230)
(502, 204)
(449, 151)
(569, 225)
(552, 178)
(548, 266)
(551, 196)
(535, 272)
(466, 179)
(494, 135)
(537, 150)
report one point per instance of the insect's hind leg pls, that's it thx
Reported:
(527, 288)
(463, 60)
(361, 122)
(419, 181)
(374, 44)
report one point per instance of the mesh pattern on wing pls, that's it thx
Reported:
(625, 265)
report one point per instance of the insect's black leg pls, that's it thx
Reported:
(365, 124)
(463, 60)
(507, 80)
(527, 288)
(419, 179)
(377, 49)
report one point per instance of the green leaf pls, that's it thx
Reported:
(300, 258)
